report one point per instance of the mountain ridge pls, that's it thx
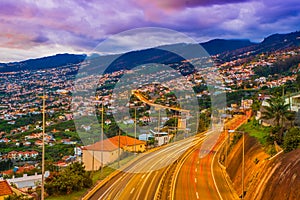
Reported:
(224, 49)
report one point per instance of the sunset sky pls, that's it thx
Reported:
(36, 28)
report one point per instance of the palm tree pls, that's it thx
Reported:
(277, 110)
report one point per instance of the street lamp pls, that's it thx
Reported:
(243, 158)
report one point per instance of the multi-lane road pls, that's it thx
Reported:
(202, 178)
(189, 176)
(140, 180)
(175, 171)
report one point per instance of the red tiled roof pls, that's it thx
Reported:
(111, 144)
(5, 188)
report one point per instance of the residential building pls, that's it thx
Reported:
(5, 189)
(109, 149)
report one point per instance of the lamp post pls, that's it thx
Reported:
(243, 158)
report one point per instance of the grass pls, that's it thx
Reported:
(256, 130)
(72, 196)
(261, 133)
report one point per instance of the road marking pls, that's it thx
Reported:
(197, 195)
(132, 190)
(212, 170)
(143, 176)
(195, 180)
(195, 169)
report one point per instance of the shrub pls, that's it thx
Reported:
(291, 139)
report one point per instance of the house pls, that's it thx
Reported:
(107, 122)
(77, 151)
(107, 151)
(294, 102)
(26, 182)
(68, 141)
(145, 137)
(5, 189)
(161, 138)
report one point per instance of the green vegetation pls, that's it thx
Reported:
(73, 196)
(256, 130)
(278, 67)
(292, 139)
(262, 134)
(277, 110)
(18, 197)
(72, 178)
(267, 136)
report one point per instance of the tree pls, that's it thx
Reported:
(256, 106)
(72, 178)
(278, 111)
(291, 139)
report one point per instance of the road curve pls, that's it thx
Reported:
(140, 179)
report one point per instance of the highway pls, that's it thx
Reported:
(143, 99)
(201, 178)
(175, 171)
(140, 180)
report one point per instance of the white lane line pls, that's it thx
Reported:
(212, 170)
(195, 180)
(195, 169)
(143, 176)
(132, 190)
(197, 195)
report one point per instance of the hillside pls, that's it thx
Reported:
(129, 59)
(218, 46)
(42, 63)
(274, 179)
(225, 49)
(271, 43)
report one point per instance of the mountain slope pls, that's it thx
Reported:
(226, 50)
(272, 43)
(218, 46)
(43, 63)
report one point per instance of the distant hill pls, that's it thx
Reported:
(157, 55)
(218, 46)
(271, 43)
(43, 63)
(225, 49)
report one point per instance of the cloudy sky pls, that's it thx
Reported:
(36, 28)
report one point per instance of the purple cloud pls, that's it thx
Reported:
(81, 24)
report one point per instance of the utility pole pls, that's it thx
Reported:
(102, 133)
(135, 129)
(243, 166)
(119, 149)
(43, 147)
(158, 120)
(93, 161)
